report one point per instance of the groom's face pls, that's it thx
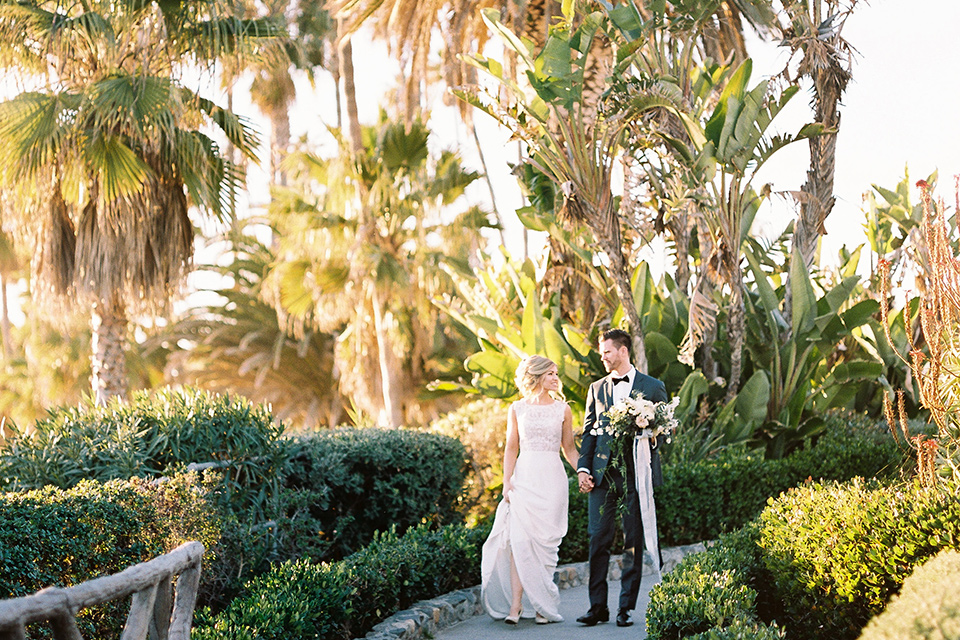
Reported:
(613, 358)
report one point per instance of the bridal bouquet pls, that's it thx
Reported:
(637, 416)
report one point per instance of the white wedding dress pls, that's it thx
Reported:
(531, 525)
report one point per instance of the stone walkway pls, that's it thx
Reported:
(574, 603)
(459, 615)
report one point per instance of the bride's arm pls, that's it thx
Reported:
(566, 439)
(510, 451)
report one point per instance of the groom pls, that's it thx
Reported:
(606, 485)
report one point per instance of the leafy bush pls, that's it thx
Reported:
(481, 427)
(928, 606)
(741, 629)
(345, 599)
(55, 537)
(838, 552)
(155, 433)
(709, 590)
(701, 500)
(347, 484)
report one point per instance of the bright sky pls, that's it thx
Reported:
(900, 109)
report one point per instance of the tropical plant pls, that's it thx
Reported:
(719, 156)
(815, 363)
(237, 345)
(362, 242)
(813, 29)
(552, 122)
(104, 152)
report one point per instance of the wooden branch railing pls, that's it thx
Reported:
(150, 612)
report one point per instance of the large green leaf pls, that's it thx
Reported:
(804, 300)
(694, 386)
(860, 313)
(752, 399)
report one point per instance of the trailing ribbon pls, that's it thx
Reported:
(648, 510)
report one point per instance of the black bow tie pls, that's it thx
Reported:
(623, 379)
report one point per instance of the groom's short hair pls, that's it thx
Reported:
(619, 337)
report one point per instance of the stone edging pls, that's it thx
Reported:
(427, 617)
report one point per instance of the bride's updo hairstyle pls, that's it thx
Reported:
(529, 373)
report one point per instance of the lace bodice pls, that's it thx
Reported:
(541, 426)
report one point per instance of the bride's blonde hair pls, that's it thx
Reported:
(530, 372)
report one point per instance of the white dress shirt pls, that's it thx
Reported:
(622, 390)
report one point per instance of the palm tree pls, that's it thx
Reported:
(107, 153)
(813, 29)
(362, 248)
(237, 345)
(720, 155)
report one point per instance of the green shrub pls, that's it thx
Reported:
(155, 433)
(699, 501)
(347, 484)
(481, 427)
(64, 537)
(838, 552)
(742, 629)
(708, 590)
(346, 599)
(928, 607)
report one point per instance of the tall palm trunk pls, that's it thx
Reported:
(279, 143)
(109, 326)
(345, 59)
(736, 328)
(366, 230)
(5, 320)
(621, 278)
(389, 369)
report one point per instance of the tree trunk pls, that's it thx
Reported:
(621, 277)
(389, 383)
(345, 55)
(109, 325)
(5, 320)
(736, 326)
(279, 144)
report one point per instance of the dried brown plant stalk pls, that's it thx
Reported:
(936, 364)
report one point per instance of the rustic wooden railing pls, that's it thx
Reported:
(150, 611)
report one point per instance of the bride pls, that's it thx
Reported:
(520, 556)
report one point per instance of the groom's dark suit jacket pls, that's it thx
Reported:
(595, 449)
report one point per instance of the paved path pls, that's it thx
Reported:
(573, 604)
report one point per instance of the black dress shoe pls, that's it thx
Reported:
(592, 617)
(623, 618)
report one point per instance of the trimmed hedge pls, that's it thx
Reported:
(838, 552)
(55, 537)
(321, 497)
(928, 607)
(699, 501)
(708, 592)
(347, 484)
(346, 599)
(820, 559)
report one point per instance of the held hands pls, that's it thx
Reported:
(585, 480)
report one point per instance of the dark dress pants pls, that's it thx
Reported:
(603, 511)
